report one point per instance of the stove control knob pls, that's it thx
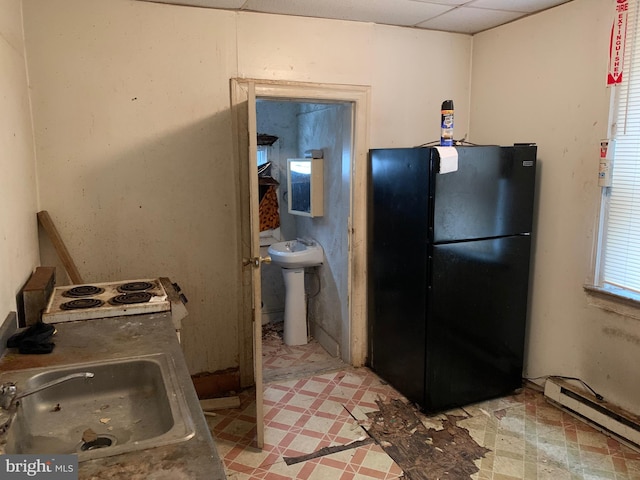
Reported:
(177, 287)
(184, 298)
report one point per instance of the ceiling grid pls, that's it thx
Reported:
(459, 16)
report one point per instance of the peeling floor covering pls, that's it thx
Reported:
(523, 436)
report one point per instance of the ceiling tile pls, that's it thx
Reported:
(463, 16)
(469, 20)
(527, 6)
(229, 4)
(395, 12)
(453, 3)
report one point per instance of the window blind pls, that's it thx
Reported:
(621, 239)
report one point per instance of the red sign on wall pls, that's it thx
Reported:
(617, 42)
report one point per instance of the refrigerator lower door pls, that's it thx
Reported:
(476, 321)
(397, 326)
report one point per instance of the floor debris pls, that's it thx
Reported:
(220, 403)
(89, 436)
(272, 331)
(328, 451)
(424, 453)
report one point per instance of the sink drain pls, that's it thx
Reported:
(101, 441)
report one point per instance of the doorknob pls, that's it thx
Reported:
(255, 261)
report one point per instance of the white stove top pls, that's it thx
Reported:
(100, 300)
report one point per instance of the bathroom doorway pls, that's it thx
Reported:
(244, 93)
(289, 129)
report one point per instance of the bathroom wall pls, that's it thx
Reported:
(18, 186)
(327, 127)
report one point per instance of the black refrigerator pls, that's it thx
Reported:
(449, 271)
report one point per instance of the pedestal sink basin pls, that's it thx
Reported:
(296, 253)
(293, 256)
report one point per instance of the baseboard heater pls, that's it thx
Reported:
(609, 419)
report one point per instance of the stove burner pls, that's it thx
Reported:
(82, 303)
(131, 298)
(135, 287)
(83, 291)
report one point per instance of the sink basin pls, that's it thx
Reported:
(130, 404)
(296, 254)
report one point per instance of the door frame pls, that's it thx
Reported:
(359, 96)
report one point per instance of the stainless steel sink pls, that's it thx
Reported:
(129, 404)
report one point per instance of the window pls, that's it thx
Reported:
(619, 247)
(263, 155)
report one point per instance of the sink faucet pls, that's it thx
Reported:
(306, 241)
(9, 392)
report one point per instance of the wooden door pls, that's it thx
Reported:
(250, 325)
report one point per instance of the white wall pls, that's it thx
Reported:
(135, 159)
(18, 205)
(124, 86)
(542, 79)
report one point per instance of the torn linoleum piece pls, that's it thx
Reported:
(424, 453)
(328, 451)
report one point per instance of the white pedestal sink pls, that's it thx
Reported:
(293, 256)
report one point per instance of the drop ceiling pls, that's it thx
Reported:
(461, 16)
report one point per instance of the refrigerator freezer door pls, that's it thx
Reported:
(476, 320)
(490, 195)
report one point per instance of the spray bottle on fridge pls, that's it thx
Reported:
(446, 124)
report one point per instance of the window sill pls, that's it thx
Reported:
(621, 302)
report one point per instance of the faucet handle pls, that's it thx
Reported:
(8, 391)
(8, 388)
(306, 241)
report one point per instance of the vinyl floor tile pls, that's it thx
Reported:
(324, 403)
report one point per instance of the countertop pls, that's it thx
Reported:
(122, 337)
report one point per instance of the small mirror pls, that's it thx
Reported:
(305, 185)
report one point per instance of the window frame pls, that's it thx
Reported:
(606, 290)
